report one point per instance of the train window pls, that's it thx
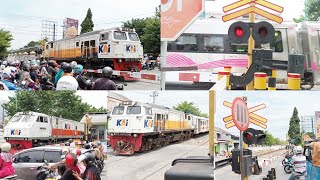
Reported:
(92, 43)
(77, 44)
(133, 109)
(104, 36)
(148, 111)
(133, 37)
(213, 43)
(47, 46)
(276, 44)
(31, 157)
(45, 120)
(51, 45)
(119, 35)
(241, 48)
(76, 128)
(40, 119)
(15, 119)
(27, 118)
(118, 110)
(52, 156)
(187, 43)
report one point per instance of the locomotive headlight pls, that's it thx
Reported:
(135, 135)
(111, 134)
(120, 60)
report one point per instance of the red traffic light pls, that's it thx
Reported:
(263, 32)
(253, 136)
(239, 32)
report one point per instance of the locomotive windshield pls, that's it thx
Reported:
(134, 110)
(119, 35)
(19, 118)
(118, 110)
(133, 37)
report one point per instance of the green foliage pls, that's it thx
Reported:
(300, 19)
(189, 108)
(5, 39)
(148, 30)
(311, 134)
(294, 127)
(87, 24)
(312, 10)
(64, 104)
(32, 44)
(270, 140)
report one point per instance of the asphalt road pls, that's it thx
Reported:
(153, 164)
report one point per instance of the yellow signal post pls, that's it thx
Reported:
(250, 46)
(212, 110)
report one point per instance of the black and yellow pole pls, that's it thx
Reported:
(250, 45)
(87, 128)
(212, 109)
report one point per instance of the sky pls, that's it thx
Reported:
(294, 9)
(24, 18)
(278, 111)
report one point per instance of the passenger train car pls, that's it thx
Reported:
(138, 127)
(30, 129)
(117, 47)
(206, 44)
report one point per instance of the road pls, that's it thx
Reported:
(153, 164)
(268, 161)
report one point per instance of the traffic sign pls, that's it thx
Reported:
(253, 117)
(240, 114)
(255, 10)
(177, 16)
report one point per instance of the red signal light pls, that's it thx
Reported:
(238, 31)
(249, 136)
(263, 32)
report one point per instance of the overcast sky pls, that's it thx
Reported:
(279, 104)
(24, 18)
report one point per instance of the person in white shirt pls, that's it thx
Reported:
(299, 162)
(67, 81)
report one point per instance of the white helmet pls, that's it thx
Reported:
(65, 151)
(6, 147)
(298, 150)
(73, 64)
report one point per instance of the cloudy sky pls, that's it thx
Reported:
(279, 104)
(24, 18)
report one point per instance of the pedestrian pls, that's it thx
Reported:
(67, 81)
(6, 159)
(105, 83)
(299, 162)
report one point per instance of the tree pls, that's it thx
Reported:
(294, 127)
(32, 44)
(87, 24)
(312, 10)
(188, 107)
(56, 103)
(148, 30)
(311, 134)
(5, 39)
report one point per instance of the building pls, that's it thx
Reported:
(223, 141)
(97, 125)
(308, 124)
(114, 99)
(317, 122)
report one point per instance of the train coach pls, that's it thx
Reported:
(138, 127)
(31, 129)
(118, 48)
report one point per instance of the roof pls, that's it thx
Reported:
(118, 96)
(221, 130)
(97, 118)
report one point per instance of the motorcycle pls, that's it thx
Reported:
(288, 168)
(99, 163)
(286, 160)
(12, 177)
(44, 173)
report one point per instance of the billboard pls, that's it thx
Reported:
(70, 28)
(317, 118)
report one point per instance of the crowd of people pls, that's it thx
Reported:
(49, 75)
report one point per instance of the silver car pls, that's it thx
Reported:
(27, 161)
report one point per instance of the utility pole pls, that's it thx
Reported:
(154, 95)
(54, 32)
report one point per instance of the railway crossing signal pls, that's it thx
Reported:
(262, 32)
(253, 136)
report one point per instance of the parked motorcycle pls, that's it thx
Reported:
(286, 160)
(44, 173)
(288, 168)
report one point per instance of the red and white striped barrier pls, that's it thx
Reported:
(128, 75)
(191, 76)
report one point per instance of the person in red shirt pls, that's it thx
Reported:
(71, 164)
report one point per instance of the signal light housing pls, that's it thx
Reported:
(263, 32)
(239, 32)
(253, 136)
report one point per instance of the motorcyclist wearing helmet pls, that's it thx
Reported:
(64, 152)
(71, 164)
(105, 83)
(299, 162)
(43, 69)
(84, 83)
(25, 77)
(6, 159)
(34, 73)
(91, 172)
(80, 165)
(67, 82)
(52, 69)
(60, 72)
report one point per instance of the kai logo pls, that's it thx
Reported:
(122, 122)
(15, 132)
(104, 48)
(148, 123)
(131, 48)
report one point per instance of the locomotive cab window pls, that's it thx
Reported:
(92, 43)
(42, 119)
(118, 35)
(104, 37)
(134, 110)
(77, 44)
(148, 111)
(133, 37)
(276, 45)
(51, 45)
(118, 110)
